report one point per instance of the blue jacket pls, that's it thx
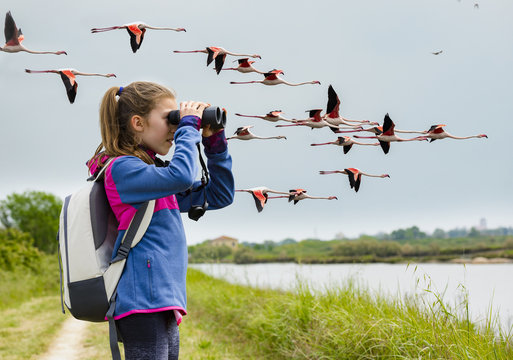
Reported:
(154, 276)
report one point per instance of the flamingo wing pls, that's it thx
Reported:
(244, 62)
(10, 30)
(219, 63)
(388, 126)
(136, 36)
(315, 114)
(385, 146)
(71, 85)
(260, 199)
(333, 106)
(351, 174)
(347, 148)
(357, 182)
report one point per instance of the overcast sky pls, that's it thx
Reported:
(376, 54)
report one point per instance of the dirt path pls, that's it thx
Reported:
(67, 344)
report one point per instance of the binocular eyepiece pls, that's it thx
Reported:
(213, 116)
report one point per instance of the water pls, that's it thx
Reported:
(488, 287)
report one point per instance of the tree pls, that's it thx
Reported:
(36, 213)
(439, 234)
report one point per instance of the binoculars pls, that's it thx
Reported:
(213, 116)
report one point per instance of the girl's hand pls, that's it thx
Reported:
(194, 108)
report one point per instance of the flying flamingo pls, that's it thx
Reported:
(244, 66)
(218, 54)
(14, 38)
(260, 195)
(272, 116)
(345, 141)
(300, 194)
(437, 132)
(243, 133)
(136, 31)
(388, 135)
(68, 78)
(272, 78)
(355, 176)
(332, 112)
(315, 121)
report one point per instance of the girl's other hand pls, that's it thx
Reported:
(194, 108)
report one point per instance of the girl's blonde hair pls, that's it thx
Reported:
(118, 137)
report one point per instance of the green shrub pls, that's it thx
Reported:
(17, 251)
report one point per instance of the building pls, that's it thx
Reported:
(225, 240)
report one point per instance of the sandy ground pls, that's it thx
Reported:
(67, 344)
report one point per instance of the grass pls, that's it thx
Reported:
(345, 323)
(26, 330)
(228, 321)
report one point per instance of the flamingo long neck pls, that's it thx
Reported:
(462, 138)
(160, 28)
(409, 131)
(40, 52)
(370, 175)
(296, 84)
(278, 197)
(90, 74)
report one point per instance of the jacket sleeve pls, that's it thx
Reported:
(220, 189)
(136, 181)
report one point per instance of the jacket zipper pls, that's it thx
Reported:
(148, 264)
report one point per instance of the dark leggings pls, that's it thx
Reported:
(152, 336)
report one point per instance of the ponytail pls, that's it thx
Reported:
(118, 137)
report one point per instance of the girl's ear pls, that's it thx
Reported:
(137, 123)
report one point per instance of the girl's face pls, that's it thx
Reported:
(156, 133)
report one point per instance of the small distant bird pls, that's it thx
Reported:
(68, 78)
(136, 31)
(272, 116)
(243, 133)
(345, 141)
(14, 38)
(332, 112)
(218, 54)
(296, 195)
(437, 52)
(272, 78)
(476, 6)
(245, 66)
(315, 121)
(355, 176)
(260, 195)
(388, 135)
(436, 132)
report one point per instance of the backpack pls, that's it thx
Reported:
(87, 233)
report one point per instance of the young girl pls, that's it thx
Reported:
(151, 295)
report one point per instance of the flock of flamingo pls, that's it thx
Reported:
(332, 119)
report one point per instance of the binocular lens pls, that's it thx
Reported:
(213, 116)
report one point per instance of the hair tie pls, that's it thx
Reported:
(119, 91)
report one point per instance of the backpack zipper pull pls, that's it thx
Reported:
(148, 261)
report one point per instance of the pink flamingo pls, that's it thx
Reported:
(315, 121)
(332, 112)
(272, 116)
(14, 38)
(272, 78)
(436, 132)
(243, 133)
(136, 31)
(355, 176)
(300, 194)
(388, 135)
(345, 141)
(260, 195)
(68, 78)
(218, 54)
(244, 66)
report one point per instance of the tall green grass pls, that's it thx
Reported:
(22, 283)
(343, 323)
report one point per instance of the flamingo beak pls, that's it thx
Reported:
(386, 175)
